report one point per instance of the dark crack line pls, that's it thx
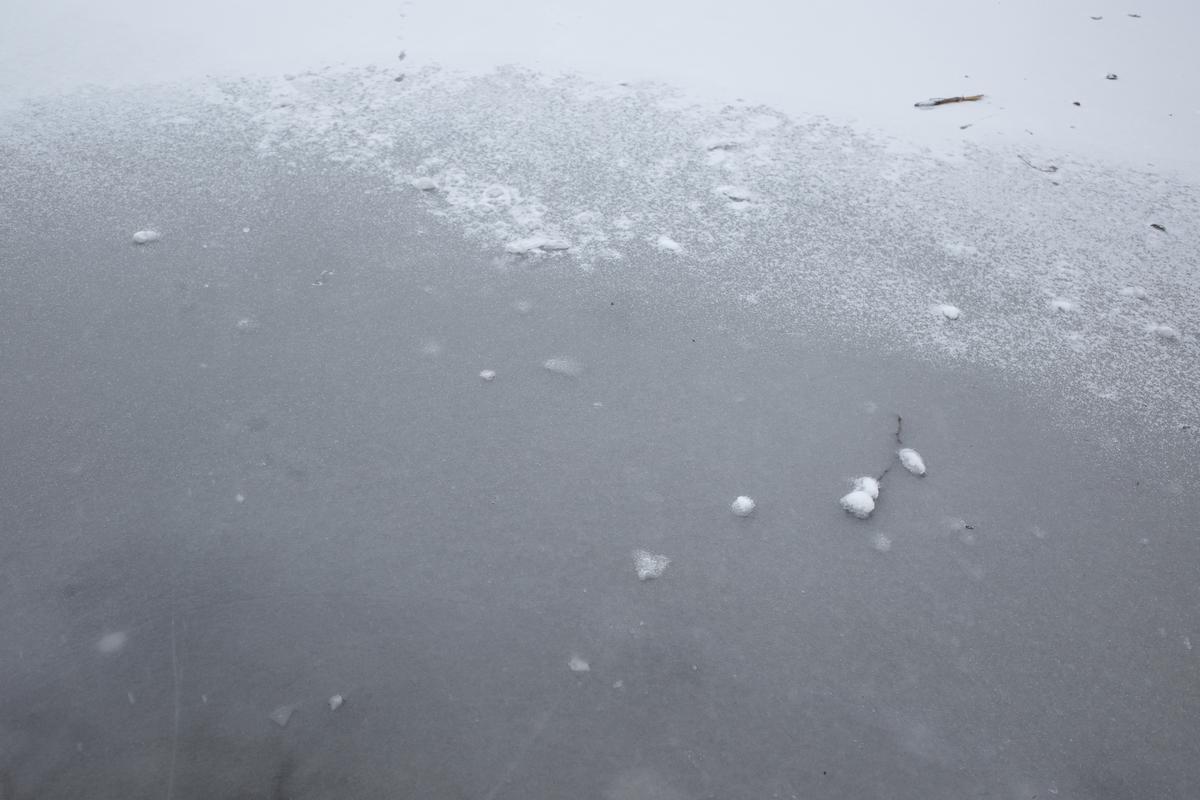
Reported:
(900, 441)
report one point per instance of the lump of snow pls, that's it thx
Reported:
(912, 461)
(867, 484)
(1163, 331)
(739, 194)
(743, 506)
(535, 244)
(564, 366)
(1063, 304)
(146, 236)
(335, 702)
(577, 664)
(488, 374)
(1136, 292)
(669, 244)
(112, 643)
(424, 183)
(282, 715)
(948, 311)
(649, 565)
(858, 503)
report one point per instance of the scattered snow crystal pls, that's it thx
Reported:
(112, 643)
(912, 461)
(743, 506)
(146, 236)
(867, 484)
(577, 664)
(881, 543)
(648, 565)
(859, 503)
(564, 366)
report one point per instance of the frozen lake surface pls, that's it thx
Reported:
(328, 488)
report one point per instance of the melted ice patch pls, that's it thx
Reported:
(112, 643)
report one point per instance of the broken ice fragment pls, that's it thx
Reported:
(912, 461)
(649, 565)
(146, 236)
(281, 715)
(858, 503)
(743, 506)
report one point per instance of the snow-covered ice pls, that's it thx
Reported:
(536, 244)
(667, 243)
(146, 236)
(112, 643)
(948, 311)
(743, 506)
(858, 503)
(564, 366)
(867, 484)
(648, 565)
(578, 664)
(1163, 331)
(488, 374)
(912, 460)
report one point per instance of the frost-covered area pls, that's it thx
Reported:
(800, 224)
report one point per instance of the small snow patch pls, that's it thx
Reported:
(960, 250)
(523, 306)
(881, 543)
(247, 325)
(535, 244)
(669, 244)
(1063, 304)
(488, 374)
(424, 183)
(1163, 331)
(335, 702)
(577, 664)
(564, 366)
(912, 461)
(867, 484)
(649, 565)
(743, 506)
(1136, 292)
(146, 237)
(858, 503)
(112, 643)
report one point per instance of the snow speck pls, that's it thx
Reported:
(146, 237)
(669, 244)
(948, 311)
(424, 183)
(129, 696)
(867, 484)
(577, 664)
(282, 715)
(112, 643)
(881, 543)
(649, 565)
(960, 250)
(431, 348)
(523, 306)
(488, 374)
(247, 325)
(1063, 304)
(335, 702)
(239, 498)
(1163, 331)
(1136, 292)
(535, 244)
(743, 506)
(564, 366)
(858, 503)
(912, 461)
